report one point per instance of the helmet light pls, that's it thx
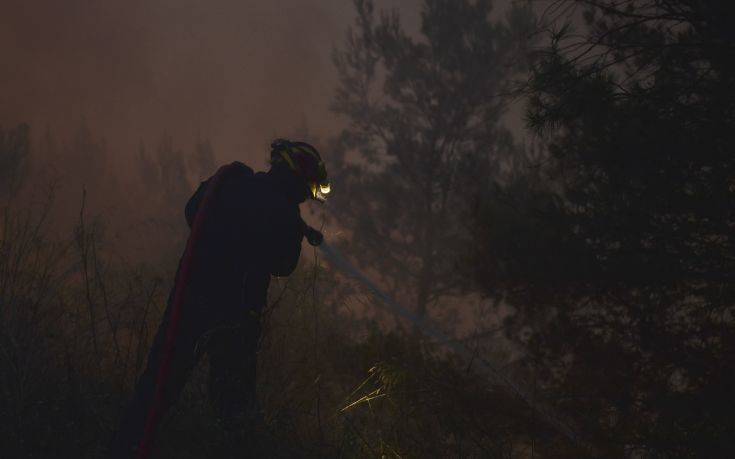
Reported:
(320, 191)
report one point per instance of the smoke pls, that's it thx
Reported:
(236, 71)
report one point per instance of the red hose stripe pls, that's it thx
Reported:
(144, 448)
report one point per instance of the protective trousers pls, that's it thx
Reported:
(228, 331)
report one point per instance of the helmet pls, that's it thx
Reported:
(305, 161)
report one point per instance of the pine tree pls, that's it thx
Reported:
(424, 129)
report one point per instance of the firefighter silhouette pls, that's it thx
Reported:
(245, 227)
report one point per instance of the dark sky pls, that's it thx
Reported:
(237, 71)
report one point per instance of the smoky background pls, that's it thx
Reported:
(545, 187)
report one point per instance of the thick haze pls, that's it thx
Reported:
(238, 72)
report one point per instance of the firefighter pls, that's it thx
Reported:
(245, 227)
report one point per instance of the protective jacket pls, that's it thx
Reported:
(252, 227)
(245, 227)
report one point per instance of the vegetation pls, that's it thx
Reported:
(424, 117)
(600, 251)
(619, 270)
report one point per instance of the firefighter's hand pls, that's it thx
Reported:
(314, 237)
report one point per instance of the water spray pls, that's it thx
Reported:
(429, 329)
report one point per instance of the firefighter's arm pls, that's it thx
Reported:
(285, 235)
(314, 237)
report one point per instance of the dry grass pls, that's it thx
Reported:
(76, 325)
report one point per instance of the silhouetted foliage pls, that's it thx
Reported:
(85, 159)
(424, 126)
(621, 278)
(171, 169)
(14, 152)
(607, 240)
